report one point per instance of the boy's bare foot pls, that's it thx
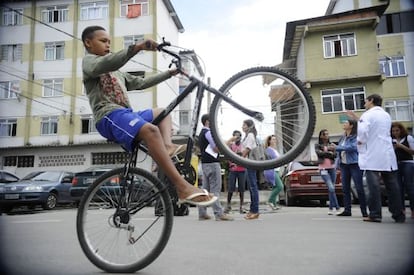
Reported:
(196, 196)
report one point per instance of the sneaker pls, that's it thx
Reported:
(331, 212)
(369, 219)
(204, 218)
(271, 205)
(242, 211)
(224, 217)
(345, 214)
(227, 210)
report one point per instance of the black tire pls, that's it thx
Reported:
(287, 108)
(115, 239)
(289, 201)
(6, 209)
(51, 201)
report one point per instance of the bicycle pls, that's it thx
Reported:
(125, 217)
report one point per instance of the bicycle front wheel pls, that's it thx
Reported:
(287, 108)
(117, 224)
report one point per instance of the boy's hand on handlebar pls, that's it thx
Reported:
(147, 45)
(174, 72)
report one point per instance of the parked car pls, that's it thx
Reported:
(82, 180)
(108, 191)
(48, 188)
(303, 182)
(7, 177)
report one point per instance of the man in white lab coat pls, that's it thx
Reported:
(377, 158)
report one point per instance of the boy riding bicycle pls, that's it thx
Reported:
(106, 89)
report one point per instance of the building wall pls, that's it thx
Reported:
(73, 105)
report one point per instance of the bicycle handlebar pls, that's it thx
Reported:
(177, 59)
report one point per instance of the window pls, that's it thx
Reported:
(10, 161)
(339, 100)
(88, 125)
(11, 52)
(393, 66)
(49, 125)
(140, 7)
(94, 10)
(8, 127)
(52, 87)
(9, 89)
(55, 14)
(399, 110)
(339, 45)
(25, 161)
(109, 158)
(54, 50)
(184, 118)
(132, 39)
(12, 17)
(396, 22)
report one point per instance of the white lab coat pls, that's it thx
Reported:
(374, 141)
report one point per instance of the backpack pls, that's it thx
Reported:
(258, 152)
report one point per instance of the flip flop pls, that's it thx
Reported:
(190, 198)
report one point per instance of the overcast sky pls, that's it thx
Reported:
(231, 35)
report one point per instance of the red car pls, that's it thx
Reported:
(303, 182)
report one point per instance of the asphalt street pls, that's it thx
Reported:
(293, 240)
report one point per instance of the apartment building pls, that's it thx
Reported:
(350, 52)
(45, 119)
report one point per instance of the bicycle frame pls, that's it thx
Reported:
(201, 87)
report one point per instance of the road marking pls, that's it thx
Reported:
(336, 219)
(36, 221)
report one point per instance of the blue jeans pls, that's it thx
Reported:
(254, 191)
(330, 179)
(240, 176)
(349, 171)
(395, 205)
(406, 181)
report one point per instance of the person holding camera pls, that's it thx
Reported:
(404, 150)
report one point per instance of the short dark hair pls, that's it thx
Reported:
(376, 99)
(204, 118)
(88, 32)
(236, 132)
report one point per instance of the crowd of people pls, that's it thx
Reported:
(370, 144)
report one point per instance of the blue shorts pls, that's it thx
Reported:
(123, 125)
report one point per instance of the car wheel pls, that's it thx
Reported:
(6, 209)
(288, 200)
(50, 202)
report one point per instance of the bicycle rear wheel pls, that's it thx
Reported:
(121, 233)
(288, 110)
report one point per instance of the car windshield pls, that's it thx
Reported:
(47, 176)
(31, 175)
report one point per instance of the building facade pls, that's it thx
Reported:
(45, 119)
(350, 52)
